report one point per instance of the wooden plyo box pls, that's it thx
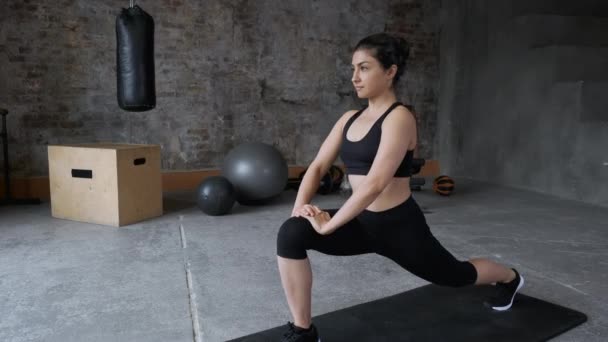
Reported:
(109, 184)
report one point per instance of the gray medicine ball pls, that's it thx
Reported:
(215, 196)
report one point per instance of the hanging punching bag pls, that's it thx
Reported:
(135, 60)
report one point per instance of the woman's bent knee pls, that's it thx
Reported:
(293, 238)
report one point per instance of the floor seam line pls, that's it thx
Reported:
(196, 329)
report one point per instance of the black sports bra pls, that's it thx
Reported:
(359, 155)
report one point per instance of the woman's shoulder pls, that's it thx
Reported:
(400, 115)
(409, 109)
(405, 109)
(344, 118)
(348, 114)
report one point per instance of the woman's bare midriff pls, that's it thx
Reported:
(395, 193)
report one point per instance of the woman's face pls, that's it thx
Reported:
(369, 76)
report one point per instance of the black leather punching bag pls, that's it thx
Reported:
(135, 60)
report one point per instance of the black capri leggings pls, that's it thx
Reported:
(400, 234)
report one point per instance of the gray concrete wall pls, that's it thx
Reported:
(227, 72)
(524, 90)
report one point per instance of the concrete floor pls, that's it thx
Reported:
(185, 272)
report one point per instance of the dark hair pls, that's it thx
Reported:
(388, 50)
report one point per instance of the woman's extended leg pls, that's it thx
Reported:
(410, 243)
(508, 282)
(490, 272)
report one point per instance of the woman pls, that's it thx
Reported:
(376, 145)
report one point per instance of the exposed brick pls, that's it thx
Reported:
(16, 59)
(227, 72)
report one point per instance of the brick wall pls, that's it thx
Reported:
(227, 72)
(418, 22)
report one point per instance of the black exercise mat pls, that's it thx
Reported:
(434, 313)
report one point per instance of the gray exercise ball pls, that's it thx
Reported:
(257, 171)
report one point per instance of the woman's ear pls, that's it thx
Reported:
(392, 71)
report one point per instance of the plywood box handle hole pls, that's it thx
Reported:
(139, 161)
(77, 173)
